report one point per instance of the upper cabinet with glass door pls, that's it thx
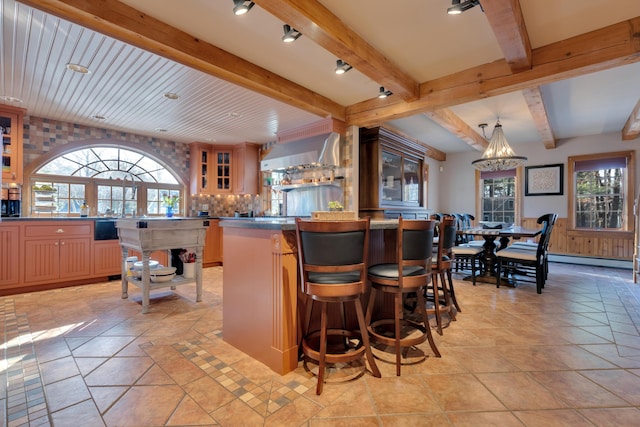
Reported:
(11, 131)
(392, 172)
(210, 169)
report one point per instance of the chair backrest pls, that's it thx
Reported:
(414, 247)
(332, 253)
(547, 221)
(467, 223)
(446, 242)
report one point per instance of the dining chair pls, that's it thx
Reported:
(547, 221)
(522, 260)
(332, 257)
(410, 274)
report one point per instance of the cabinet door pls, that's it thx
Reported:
(75, 258)
(9, 255)
(44, 260)
(213, 245)
(391, 177)
(222, 171)
(107, 258)
(245, 169)
(11, 130)
(201, 168)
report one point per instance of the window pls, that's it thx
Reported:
(601, 191)
(111, 179)
(498, 196)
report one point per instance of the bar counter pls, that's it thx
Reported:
(261, 295)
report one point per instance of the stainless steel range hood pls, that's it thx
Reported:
(319, 150)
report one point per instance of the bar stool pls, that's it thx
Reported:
(441, 291)
(332, 256)
(410, 274)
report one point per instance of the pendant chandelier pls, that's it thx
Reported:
(498, 156)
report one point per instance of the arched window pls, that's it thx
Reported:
(111, 180)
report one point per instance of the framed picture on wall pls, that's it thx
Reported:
(544, 180)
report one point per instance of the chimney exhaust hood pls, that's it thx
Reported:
(317, 151)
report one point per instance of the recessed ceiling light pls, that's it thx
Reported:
(235, 114)
(10, 99)
(98, 117)
(78, 68)
(171, 95)
(161, 130)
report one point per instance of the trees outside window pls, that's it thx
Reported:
(498, 195)
(601, 191)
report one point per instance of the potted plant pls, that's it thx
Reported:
(335, 205)
(170, 202)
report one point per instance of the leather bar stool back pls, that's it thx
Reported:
(332, 256)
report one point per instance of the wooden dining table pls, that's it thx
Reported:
(503, 235)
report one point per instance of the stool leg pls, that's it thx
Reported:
(425, 320)
(365, 338)
(397, 309)
(453, 292)
(323, 347)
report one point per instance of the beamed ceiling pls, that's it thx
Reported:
(547, 69)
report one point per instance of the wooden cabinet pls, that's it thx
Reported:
(107, 258)
(223, 169)
(58, 251)
(210, 169)
(213, 244)
(9, 255)
(392, 173)
(245, 169)
(11, 130)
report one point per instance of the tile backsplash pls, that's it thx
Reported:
(226, 205)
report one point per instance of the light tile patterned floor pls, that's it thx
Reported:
(82, 356)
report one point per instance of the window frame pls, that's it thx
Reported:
(519, 190)
(629, 194)
(91, 183)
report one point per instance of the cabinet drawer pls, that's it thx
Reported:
(58, 230)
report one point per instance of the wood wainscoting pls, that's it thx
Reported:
(600, 244)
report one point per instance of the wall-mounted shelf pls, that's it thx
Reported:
(290, 187)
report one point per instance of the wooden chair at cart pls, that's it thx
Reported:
(333, 270)
(410, 274)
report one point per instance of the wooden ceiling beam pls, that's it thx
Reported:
(598, 50)
(124, 23)
(430, 152)
(454, 124)
(631, 129)
(533, 97)
(507, 22)
(319, 24)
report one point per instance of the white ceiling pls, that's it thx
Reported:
(126, 84)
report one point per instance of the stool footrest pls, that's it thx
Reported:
(350, 354)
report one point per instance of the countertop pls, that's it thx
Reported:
(268, 223)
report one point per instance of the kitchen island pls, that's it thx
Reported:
(262, 300)
(147, 235)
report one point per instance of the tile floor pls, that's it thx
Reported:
(82, 356)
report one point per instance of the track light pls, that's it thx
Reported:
(342, 67)
(242, 6)
(290, 34)
(384, 93)
(457, 7)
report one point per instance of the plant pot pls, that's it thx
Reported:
(189, 270)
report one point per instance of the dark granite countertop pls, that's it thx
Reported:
(268, 223)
